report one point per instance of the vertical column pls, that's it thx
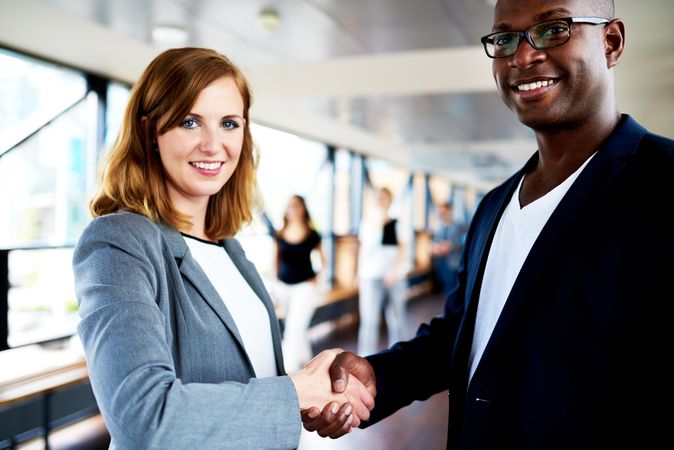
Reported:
(412, 252)
(329, 235)
(428, 199)
(357, 187)
(4, 304)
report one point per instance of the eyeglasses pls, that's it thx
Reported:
(549, 34)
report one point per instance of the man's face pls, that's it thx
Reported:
(554, 87)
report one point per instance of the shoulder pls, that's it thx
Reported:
(122, 227)
(658, 148)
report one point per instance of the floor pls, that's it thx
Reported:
(421, 425)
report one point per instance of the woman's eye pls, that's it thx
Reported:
(230, 124)
(188, 123)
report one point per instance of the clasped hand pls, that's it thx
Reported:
(331, 403)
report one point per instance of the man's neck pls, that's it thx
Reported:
(562, 151)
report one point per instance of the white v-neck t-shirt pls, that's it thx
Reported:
(516, 233)
(245, 307)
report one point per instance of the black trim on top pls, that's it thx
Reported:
(204, 241)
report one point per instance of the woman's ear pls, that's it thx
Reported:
(614, 42)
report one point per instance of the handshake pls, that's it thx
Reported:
(332, 403)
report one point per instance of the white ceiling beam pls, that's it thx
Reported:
(440, 71)
(46, 31)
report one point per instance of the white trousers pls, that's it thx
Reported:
(372, 297)
(298, 302)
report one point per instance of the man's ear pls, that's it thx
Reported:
(614, 41)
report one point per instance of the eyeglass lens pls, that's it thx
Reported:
(542, 35)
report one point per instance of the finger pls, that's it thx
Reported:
(339, 371)
(347, 363)
(336, 418)
(309, 415)
(320, 422)
(346, 428)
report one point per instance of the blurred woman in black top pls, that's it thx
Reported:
(297, 292)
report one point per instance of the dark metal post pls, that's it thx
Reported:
(4, 303)
(329, 237)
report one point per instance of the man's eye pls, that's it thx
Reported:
(502, 40)
(551, 31)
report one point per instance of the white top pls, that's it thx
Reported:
(516, 233)
(245, 307)
(374, 259)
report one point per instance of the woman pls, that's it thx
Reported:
(180, 337)
(297, 290)
(382, 267)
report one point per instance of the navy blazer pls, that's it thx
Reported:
(579, 357)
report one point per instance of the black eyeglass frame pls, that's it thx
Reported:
(526, 34)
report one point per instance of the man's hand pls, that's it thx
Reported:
(327, 422)
(314, 392)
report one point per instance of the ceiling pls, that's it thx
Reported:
(398, 79)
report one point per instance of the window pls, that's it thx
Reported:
(288, 165)
(41, 184)
(342, 210)
(117, 97)
(47, 119)
(31, 93)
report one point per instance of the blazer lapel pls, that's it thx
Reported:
(476, 262)
(585, 192)
(190, 269)
(253, 279)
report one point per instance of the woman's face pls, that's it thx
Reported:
(200, 154)
(295, 210)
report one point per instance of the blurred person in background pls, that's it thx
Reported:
(382, 271)
(182, 344)
(297, 290)
(446, 248)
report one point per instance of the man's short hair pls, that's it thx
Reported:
(604, 8)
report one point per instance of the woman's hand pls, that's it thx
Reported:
(314, 390)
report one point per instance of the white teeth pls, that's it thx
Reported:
(534, 85)
(207, 166)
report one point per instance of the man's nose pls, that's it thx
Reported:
(526, 55)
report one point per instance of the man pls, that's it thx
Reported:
(560, 332)
(446, 248)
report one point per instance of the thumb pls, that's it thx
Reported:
(339, 371)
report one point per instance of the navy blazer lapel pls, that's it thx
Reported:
(253, 279)
(190, 269)
(476, 260)
(588, 188)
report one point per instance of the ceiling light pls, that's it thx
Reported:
(170, 35)
(268, 19)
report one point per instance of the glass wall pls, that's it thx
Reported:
(44, 109)
(288, 165)
(33, 92)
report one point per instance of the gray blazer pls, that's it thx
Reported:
(166, 361)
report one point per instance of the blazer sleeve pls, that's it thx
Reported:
(418, 368)
(119, 272)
